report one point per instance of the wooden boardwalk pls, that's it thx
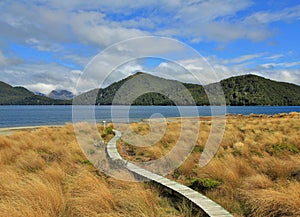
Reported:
(208, 206)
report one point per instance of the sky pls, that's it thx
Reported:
(47, 44)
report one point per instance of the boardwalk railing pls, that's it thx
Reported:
(208, 206)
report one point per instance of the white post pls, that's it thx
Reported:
(104, 124)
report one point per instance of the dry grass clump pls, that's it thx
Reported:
(280, 201)
(43, 173)
(133, 150)
(257, 164)
(176, 132)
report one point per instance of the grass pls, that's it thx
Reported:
(256, 171)
(43, 173)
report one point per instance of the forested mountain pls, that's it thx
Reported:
(240, 90)
(21, 96)
(145, 89)
(256, 90)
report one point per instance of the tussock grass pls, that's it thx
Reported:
(280, 201)
(257, 164)
(43, 173)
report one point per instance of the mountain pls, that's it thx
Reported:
(255, 90)
(39, 94)
(145, 89)
(61, 94)
(21, 96)
(141, 89)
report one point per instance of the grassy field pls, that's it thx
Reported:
(256, 171)
(43, 173)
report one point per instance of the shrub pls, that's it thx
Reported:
(109, 130)
(275, 149)
(91, 151)
(204, 184)
(198, 149)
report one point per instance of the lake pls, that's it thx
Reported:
(14, 116)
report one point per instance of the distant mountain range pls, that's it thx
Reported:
(61, 94)
(240, 90)
(57, 94)
(21, 96)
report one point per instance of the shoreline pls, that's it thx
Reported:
(228, 115)
(6, 131)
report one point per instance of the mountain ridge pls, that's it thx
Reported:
(10, 95)
(145, 89)
(243, 90)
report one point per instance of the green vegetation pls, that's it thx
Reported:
(21, 96)
(255, 90)
(276, 149)
(109, 130)
(204, 184)
(145, 89)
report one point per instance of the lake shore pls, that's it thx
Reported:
(10, 130)
(6, 131)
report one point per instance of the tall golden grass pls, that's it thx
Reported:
(257, 164)
(43, 173)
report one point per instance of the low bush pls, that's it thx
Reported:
(204, 184)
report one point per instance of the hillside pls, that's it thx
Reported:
(255, 90)
(142, 89)
(241, 90)
(21, 96)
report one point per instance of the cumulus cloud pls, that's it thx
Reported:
(41, 88)
(61, 27)
(290, 76)
(41, 77)
(5, 61)
(105, 22)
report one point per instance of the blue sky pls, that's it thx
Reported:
(45, 45)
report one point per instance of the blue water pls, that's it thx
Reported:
(13, 116)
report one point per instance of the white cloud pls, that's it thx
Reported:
(265, 17)
(52, 26)
(207, 11)
(41, 87)
(97, 22)
(5, 61)
(242, 58)
(41, 77)
(285, 75)
(48, 24)
(281, 64)
(274, 56)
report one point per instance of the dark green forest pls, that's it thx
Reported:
(242, 90)
(145, 89)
